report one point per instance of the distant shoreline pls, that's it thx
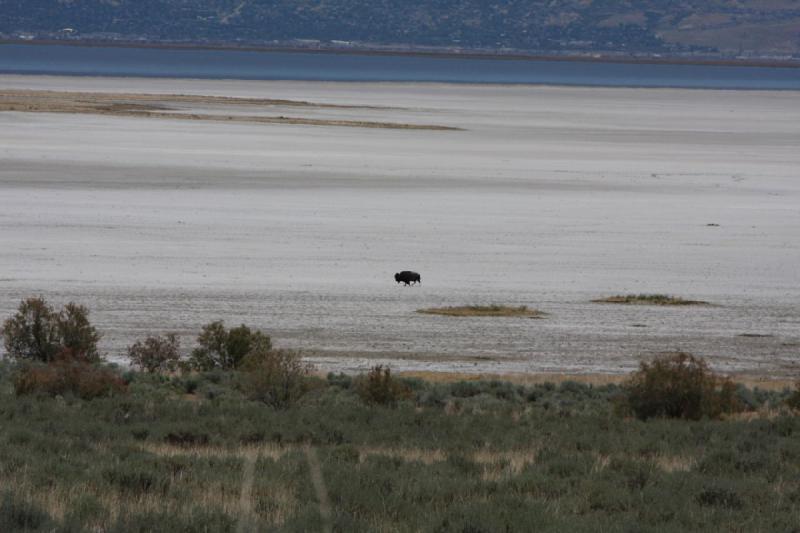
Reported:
(442, 54)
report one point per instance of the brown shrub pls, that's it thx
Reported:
(69, 373)
(275, 377)
(76, 332)
(678, 385)
(38, 379)
(379, 387)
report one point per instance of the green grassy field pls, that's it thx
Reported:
(191, 453)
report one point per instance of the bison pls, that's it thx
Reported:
(407, 277)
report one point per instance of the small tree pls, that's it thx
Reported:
(379, 387)
(32, 333)
(225, 349)
(76, 333)
(156, 353)
(275, 377)
(679, 385)
(37, 332)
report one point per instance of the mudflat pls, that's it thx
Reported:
(547, 197)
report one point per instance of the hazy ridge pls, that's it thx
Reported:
(725, 28)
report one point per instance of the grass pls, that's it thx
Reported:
(454, 456)
(648, 299)
(484, 310)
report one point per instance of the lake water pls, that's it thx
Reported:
(218, 64)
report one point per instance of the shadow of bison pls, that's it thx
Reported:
(407, 277)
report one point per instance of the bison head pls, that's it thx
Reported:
(397, 277)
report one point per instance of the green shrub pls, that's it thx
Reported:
(793, 400)
(275, 377)
(186, 384)
(340, 380)
(225, 349)
(17, 515)
(156, 353)
(84, 509)
(678, 385)
(37, 332)
(198, 519)
(379, 387)
(719, 495)
(32, 333)
(187, 438)
(136, 479)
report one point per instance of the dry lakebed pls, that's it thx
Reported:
(288, 206)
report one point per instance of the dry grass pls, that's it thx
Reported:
(648, 299)
(497, 464)
(159, 106)
(503, 464)
(268, 449)
(59, 499)
(517, 379)
(484, 310)
(675, 463)
(410, 455)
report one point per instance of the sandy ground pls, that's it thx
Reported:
(549, 197)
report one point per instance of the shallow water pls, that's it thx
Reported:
(231, 64)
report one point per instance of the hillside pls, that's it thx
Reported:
(754, 28)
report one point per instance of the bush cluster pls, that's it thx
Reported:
(68, 373)
(275, 377)
(226, 348)
(37, 332)
(793, 400)
(156, 353)
(679, 385)
(379, 387)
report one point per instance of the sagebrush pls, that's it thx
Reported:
(378, 386)
(679, 385)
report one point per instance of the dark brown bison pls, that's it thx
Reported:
(407, 277)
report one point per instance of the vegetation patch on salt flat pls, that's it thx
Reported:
(484, 310)
(648, 299)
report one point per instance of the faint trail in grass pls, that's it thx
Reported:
(246, 520)
(319, 487)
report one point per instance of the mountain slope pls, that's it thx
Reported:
(751, 27)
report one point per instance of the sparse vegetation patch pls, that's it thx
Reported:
(226, 445)
(159, 106)
(484, 310)
(648, 299)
